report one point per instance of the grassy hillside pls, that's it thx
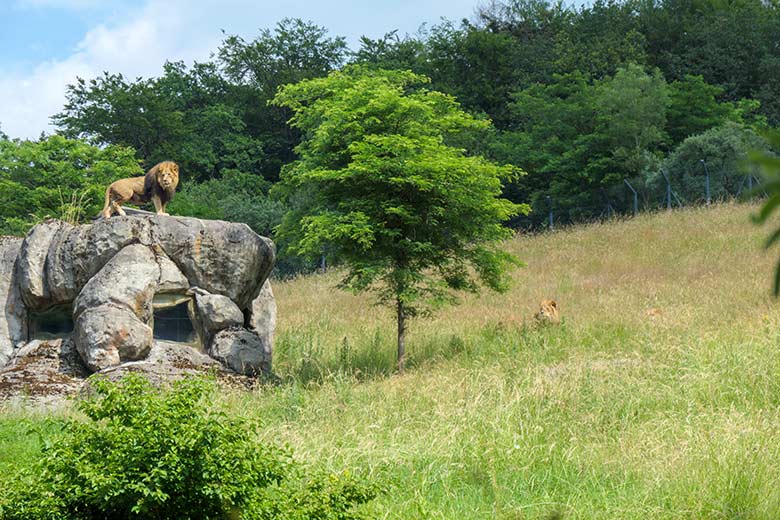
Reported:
(620, 412)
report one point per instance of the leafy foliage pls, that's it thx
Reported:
(600, 39)
(577, 137)
(693, 108)
(294, 51)
(143, 453)
(634, 78)
(412, 217)
(185, 115)
(769, 162)
(237, 197)
(56, 177)
(212, 117)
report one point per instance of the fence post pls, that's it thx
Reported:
(549, 205)
(610, 211)
(707, 179)
(668, 191)
(636, 200)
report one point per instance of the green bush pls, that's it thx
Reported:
(237, 196)
(145, 453)
(724, 148)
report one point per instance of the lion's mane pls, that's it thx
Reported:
(152, 184)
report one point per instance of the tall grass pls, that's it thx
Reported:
(658, 396)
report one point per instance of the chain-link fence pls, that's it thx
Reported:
(663, 189)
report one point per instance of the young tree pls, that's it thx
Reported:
(412, 217)
(632, 115)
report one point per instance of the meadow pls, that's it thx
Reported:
(657, 397)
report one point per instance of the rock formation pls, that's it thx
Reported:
(130, 291)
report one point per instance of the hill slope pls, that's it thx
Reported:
(617, 413)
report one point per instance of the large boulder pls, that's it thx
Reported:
(241, 350)
(31, 264)
(106, 336)
(128, 281)
(114, 308)
(221, 257)
(218, 312)
(115, 275)
(13, 323)
(78, 253)
(261, 316)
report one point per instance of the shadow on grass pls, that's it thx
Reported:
(303, 357)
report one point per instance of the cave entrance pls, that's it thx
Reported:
(55, 322)
(173, 319)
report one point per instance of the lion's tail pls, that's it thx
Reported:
(107, 205)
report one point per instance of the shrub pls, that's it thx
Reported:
(725, 149)
(145, 453)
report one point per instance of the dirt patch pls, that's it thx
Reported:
(52, 370)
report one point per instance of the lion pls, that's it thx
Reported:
(158, 185)
(548, 313)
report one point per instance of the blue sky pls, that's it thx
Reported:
(45, 44)
(32, 32)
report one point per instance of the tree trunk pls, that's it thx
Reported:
(401, 334)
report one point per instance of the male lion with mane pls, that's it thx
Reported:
(548, 313)
(158, 185)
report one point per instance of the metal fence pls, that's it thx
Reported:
(661, 190)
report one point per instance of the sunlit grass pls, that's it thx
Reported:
(658, 397)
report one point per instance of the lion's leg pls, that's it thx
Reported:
(158, 205)
(116, 207)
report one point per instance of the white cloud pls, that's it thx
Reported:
(140, 39)
(29, 101)
(139, 46)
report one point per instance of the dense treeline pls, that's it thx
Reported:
(580, 98)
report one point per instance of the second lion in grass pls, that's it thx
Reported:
(548, 313)
(158, 186)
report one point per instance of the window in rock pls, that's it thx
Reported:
(56, 322)
(172, 320)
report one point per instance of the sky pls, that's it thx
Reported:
(46, 44)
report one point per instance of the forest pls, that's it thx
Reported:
(586, 101)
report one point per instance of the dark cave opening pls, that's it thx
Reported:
(173, 323)
(55, 322)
